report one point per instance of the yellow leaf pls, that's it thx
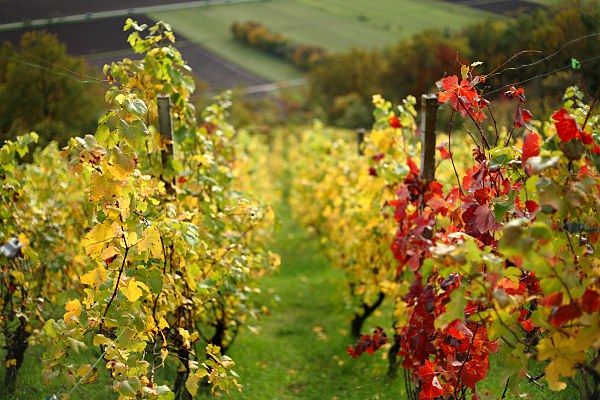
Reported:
(564, 353)
(150, 243)
(162, 324)
(110, 254)
(96, 239)
(87, 373)
(122, 162)
(133, 290)
(191, 384)
(74, 309)
(104, 187)
(95, 277)
(464, 71)
(12, 361)
(101, 340)
(553, 373)
(23, 239)
(212, 349)
(88, 302)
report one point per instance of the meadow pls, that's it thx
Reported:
(335, 25)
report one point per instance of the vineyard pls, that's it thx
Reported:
(169, 255)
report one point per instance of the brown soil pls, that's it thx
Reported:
(507, 7)
(98, 40)
(20, 10)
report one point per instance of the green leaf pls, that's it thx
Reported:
(455, 309)
(164, 393)
(135, 106)
(135, 133)
(498, 162)
(105, 137)
(124, 388)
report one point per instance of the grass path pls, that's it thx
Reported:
(299, 350)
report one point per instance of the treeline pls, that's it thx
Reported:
(255, 34)
(43, 89)
(342, 84)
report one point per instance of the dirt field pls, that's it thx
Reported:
(99, 40)
(507, 7)
(27, 10)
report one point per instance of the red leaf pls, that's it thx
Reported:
(431, 387)
(394, 122)
(514, 93)
(486, 220)
(459, 331)
(368, 344)
(474, 372)
(586, 138)
(527, 325)
(531, 206)
(566, 126)
(413, 167)
(427, 371)
(531, 148)
(553, 300)
(525, 322)
(444, 153)
(565, 313)
(590, 302)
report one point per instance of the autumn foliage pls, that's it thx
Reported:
(499, 258)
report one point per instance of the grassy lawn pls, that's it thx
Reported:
(299, 352)
(337, 25)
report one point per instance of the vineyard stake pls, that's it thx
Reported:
(165, 126)
(360, 138)
(429, 106)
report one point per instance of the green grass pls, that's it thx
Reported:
(336, 25)
(299, 352)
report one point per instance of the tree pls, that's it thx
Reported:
(42, 90)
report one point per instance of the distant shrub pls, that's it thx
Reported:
(258, 36)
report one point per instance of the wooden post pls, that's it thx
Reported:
(165, 126)
(360, 138)
(429, 106)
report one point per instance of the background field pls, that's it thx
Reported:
(336, 25)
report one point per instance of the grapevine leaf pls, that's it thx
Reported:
(531, 148)
(135, 132)
(87, 374)
(96, 239)
(564, 352)
(95, 277)
(133, 290)
(486, 219)
(110, 254)
(74, 309)
(124, 388)
(105, 137)
(104, 187)
(554, 371)
(122, 162)
(455, 309)
(150, 243)
(191, 384)
(135, 106)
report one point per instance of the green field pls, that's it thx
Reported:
(337, 25)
